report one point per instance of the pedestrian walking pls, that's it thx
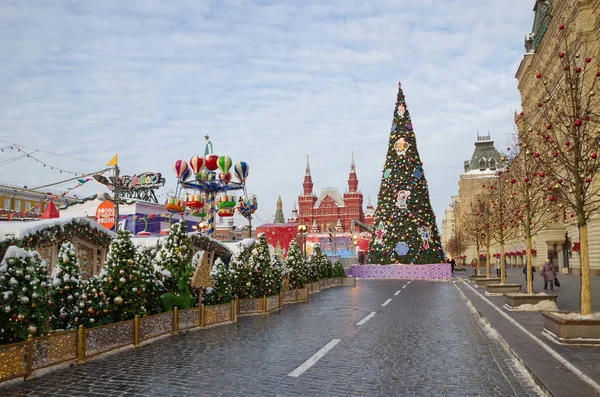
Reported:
(549, 274)
(452, 264)
(525, 272)
(474, 265)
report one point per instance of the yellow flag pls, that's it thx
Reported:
(113, 161)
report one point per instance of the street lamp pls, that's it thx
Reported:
(302, 233)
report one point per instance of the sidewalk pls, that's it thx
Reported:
(553, 365)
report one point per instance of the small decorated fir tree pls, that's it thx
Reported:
(154, 287)
(122, 281)
(24, 293)
(66, 287)
(338, 269)
(92, 305)
(314, 264)
(263, 278)
(297, 267)
(241, 277)
(222, 291)
(175, 255)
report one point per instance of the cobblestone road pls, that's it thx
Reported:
(424, 342)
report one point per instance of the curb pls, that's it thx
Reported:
(539, 382)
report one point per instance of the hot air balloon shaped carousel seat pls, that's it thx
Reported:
(226, 204)
(174, 204)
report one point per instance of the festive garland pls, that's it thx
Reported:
(57, 234)
(210, 244)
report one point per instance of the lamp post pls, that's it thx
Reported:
(302, 233)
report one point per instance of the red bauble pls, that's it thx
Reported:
(587, 117)
(588, 60)
(536, 154)
(539, 105)
(588, 180)
(566, 67)
(559, 180)
(549, 188)
(513, 180)
(594, 155)
(577, 70)
(598, 74)
(542, 174)
(548, 126)
(561, 54)
(577, 123)
(561, 26)
(552, 198)
(567, 143)
(538, 75)
(210, 162)
(546, 136)
(526, 179)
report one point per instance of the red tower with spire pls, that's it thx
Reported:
(330, 207)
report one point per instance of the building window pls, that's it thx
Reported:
(492, 164)
(482, 165)
(6, 204)
(18, 205)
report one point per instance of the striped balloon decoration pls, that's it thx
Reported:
(241, 170)
(224, 164)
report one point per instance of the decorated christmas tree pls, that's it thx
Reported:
(66, 287)
(296, 265)
(221, 291)
(92, 305)
(175, 255)
(265, 281)
(152, 276)
(24, 293)
(314, 264)
(122, 281)
(338, 269)
(241, 275)
(404, 230)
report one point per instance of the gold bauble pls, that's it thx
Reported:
(118, 300)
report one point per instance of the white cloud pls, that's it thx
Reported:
(269, 81)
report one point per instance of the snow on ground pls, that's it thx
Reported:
(543, 306)
(17, 230)
(577, 316)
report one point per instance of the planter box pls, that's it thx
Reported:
(571, 330)
(486, 281)
(502, 288)
(477, 277)
(516, 300)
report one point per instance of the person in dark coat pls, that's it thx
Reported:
(452, 264)
(525, 272)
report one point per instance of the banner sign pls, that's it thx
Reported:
(140, 187)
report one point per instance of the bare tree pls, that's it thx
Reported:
(457, 243)
(564, 130)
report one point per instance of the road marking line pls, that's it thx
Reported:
(364, 320)
(386, 302)
(397, 292)
(404, 286)
(553, 353)
(316, 357)
(409, 282)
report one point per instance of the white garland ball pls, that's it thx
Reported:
(34, 295)
(122, 280)
(32, 329)
(7, 309)
(81, 305)
(24, 299)
(70, 298)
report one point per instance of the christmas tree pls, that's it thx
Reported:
(152, 278)
(66, 287)
(296, 265)
(122, 281)
(314, 264)
(265, 281)
(92, 304)
(24, 295)
(404, 230)
(338, 269)
(175, 255)
(221, 292)
(241, 274)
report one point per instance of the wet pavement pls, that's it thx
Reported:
(425, 341)
(560, 369)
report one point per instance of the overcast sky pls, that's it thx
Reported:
(268, 81)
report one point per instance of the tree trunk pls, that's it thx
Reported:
(586, 302)
(529, 266)
(502, 269)
(488, 269)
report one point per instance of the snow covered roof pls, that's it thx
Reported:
(17, 230)
(331, 192)
(236, 246)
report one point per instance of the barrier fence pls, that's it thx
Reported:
(23, 358)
